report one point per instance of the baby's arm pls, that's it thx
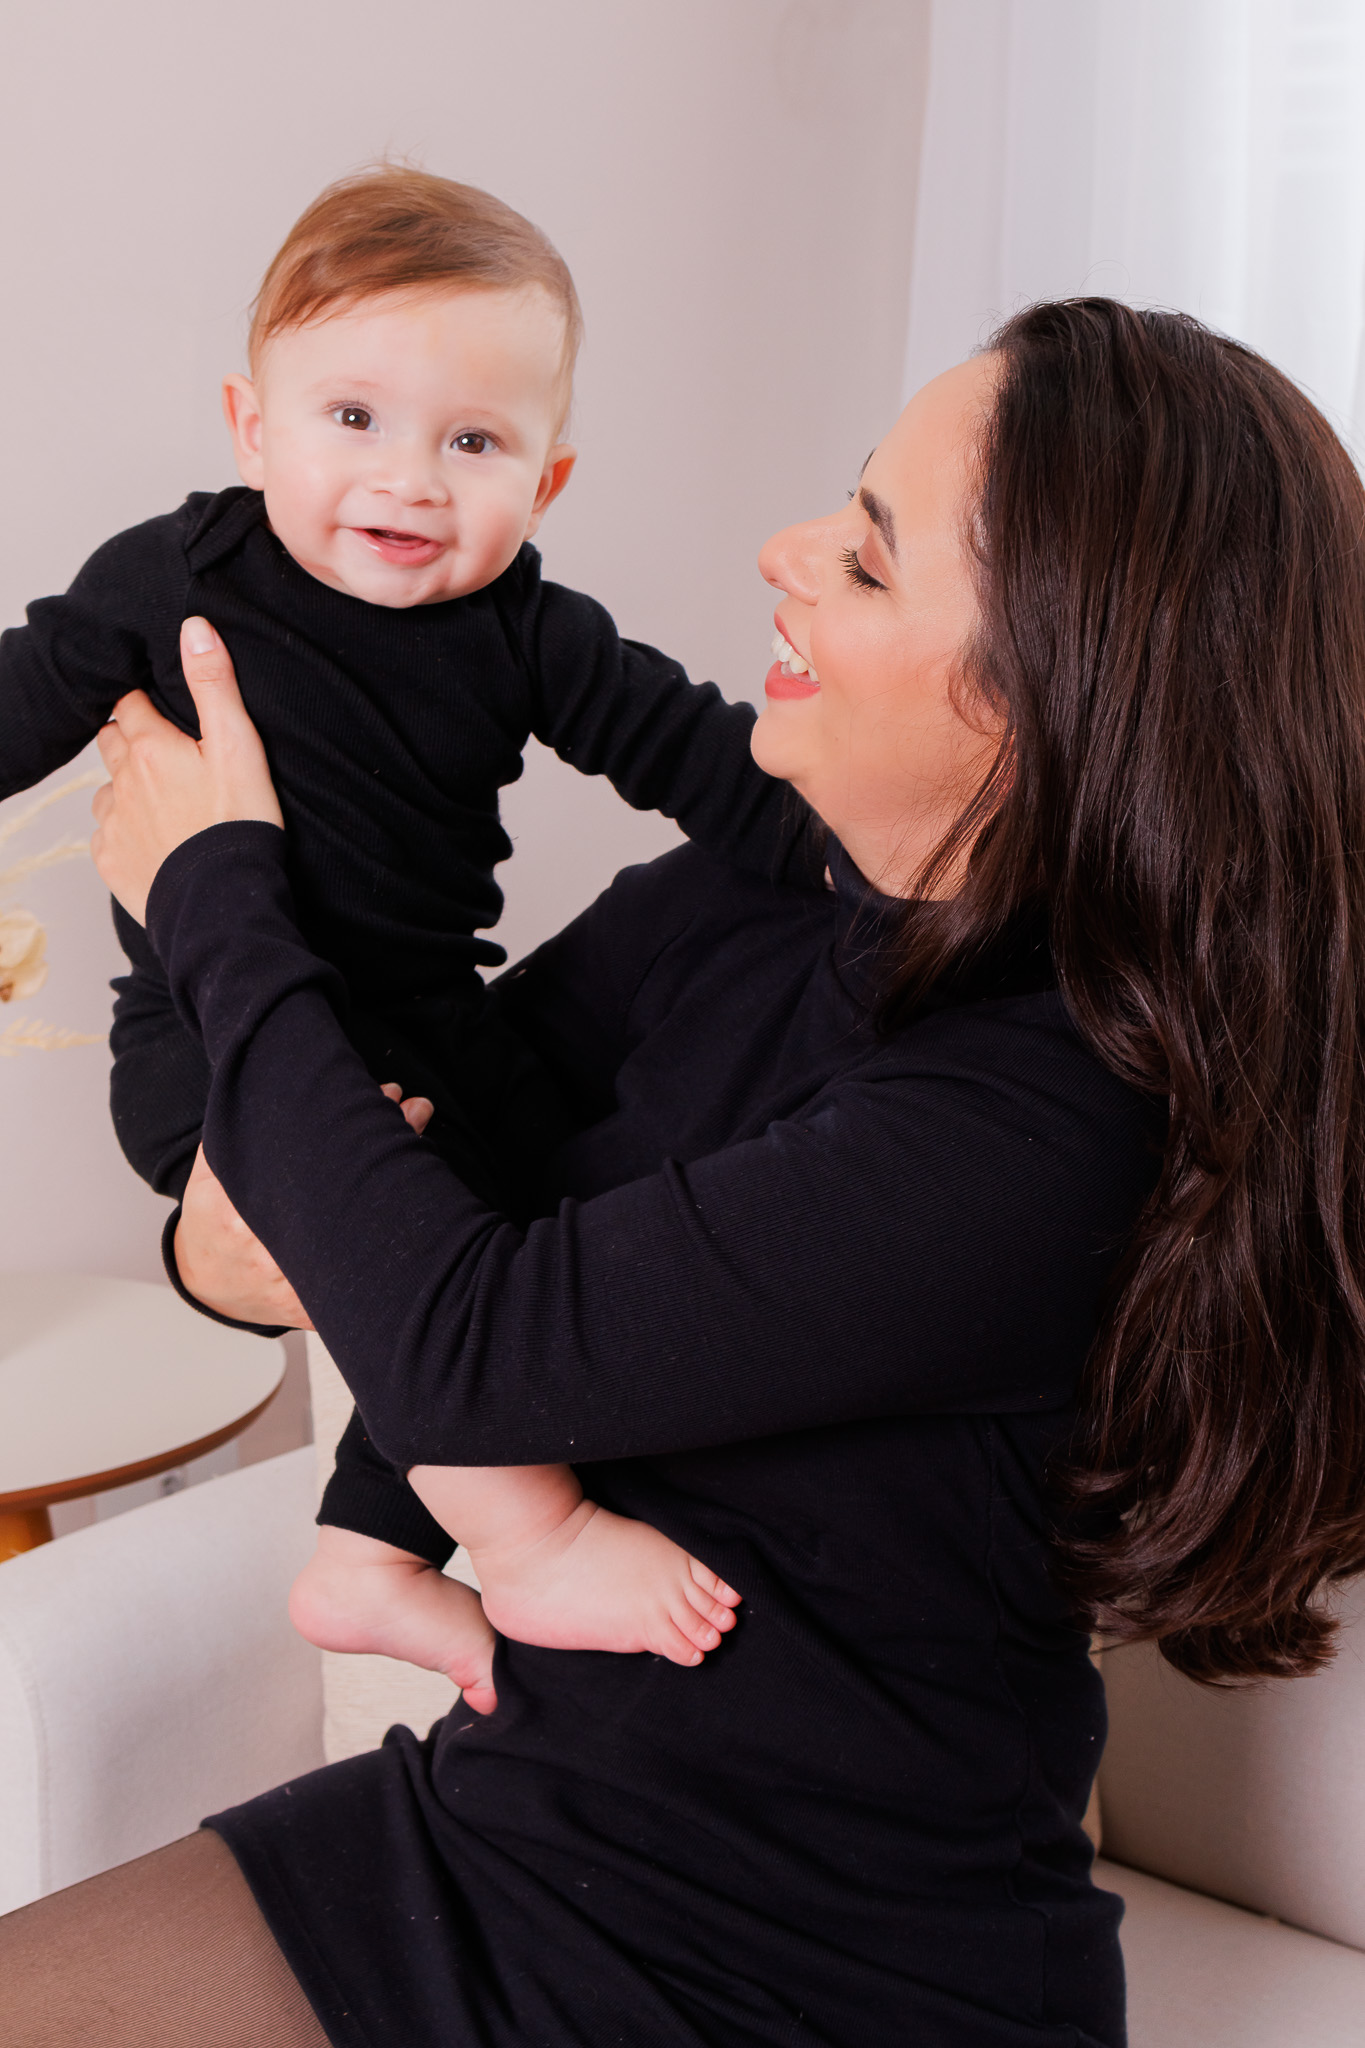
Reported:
(63, 672)
(622, 709)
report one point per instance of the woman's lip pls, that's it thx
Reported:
(779, 683)
(409, 548)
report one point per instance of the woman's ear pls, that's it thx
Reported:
(242, 411)
(556, 473)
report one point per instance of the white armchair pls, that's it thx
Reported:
(1254, 1796)
(148, 1675)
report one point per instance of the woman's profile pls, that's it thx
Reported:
(955, 1250)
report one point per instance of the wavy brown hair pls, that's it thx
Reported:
(1171, 549)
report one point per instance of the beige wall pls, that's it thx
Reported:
(732, 182)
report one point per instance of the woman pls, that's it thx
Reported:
(1056, 1088)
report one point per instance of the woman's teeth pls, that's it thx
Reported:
(791, 660)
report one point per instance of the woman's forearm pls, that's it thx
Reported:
(802, 1277)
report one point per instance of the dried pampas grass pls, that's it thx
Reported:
(30, 1034)
(23, 940)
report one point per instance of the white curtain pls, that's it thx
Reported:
(1202, 154)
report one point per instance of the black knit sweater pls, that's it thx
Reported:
(812, 1301)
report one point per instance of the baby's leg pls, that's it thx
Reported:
(560, 1571)
(360, 1595)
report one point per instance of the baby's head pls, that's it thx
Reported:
(412, 351)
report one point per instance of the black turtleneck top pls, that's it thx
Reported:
(814, 1301)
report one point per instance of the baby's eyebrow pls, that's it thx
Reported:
(880, 515)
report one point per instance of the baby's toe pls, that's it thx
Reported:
(708, 1608)
(686, 1639)
(707, 1582)
(693, 1629)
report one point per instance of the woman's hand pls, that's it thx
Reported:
(224, 1264)
(164, 786)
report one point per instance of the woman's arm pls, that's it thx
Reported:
(934, 1238)
(922, 1242)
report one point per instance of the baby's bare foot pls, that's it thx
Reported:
(365, 1597)
(601, 1582)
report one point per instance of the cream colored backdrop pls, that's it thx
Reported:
(732, 182)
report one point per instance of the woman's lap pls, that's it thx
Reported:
(161, 1952)
(404, 1922)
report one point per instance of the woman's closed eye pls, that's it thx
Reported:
(857, 574)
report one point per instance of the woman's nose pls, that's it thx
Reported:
(790, 561)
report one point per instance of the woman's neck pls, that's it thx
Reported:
(893, 854)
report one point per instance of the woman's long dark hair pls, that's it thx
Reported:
(1171, 547)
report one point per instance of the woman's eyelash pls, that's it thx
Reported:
(856, 573)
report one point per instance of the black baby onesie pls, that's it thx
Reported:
(389, 734)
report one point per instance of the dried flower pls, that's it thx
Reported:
(23, 941)
(31, 1034)
(23, 950)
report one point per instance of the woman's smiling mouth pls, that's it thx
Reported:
(790, 675)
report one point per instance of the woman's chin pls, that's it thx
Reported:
(781, 741)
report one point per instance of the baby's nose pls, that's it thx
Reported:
(412, 476)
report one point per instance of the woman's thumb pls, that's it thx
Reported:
(208, 671)
(231, 741)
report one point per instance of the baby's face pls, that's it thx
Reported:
(406, 447)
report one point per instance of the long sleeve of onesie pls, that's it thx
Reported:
(62, 673)
(617, 707)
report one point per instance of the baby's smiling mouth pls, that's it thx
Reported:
(396, 546)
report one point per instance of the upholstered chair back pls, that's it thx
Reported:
(1254, 1794)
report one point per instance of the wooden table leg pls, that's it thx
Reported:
(23, 1529)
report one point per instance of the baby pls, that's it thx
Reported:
(399, 440)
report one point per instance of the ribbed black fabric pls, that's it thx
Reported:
(814, 1303)
(389, 734)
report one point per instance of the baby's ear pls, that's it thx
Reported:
(556, 473)
(242, 411)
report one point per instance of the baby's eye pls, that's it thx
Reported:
(354, 416)
(473, 444)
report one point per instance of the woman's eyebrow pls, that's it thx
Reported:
(880, 515)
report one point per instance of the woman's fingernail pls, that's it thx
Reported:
(198, 636)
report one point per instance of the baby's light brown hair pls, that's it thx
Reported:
(394, 229)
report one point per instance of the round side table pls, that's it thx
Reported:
(103, 1382)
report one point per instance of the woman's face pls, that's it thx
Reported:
(878, 603)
